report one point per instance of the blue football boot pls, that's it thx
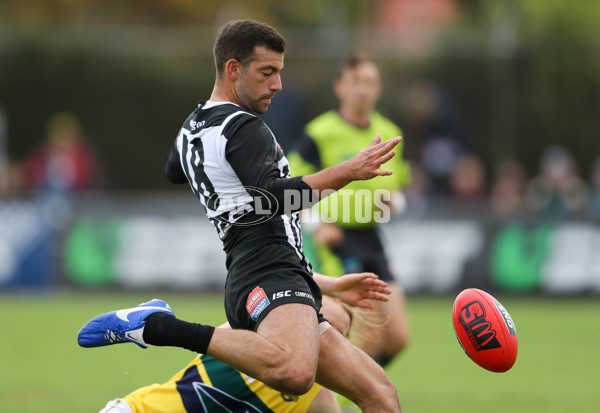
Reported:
(120, 326)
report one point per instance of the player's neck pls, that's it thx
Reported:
(223, 94)
(358, 119)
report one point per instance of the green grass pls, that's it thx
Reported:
(557, 370)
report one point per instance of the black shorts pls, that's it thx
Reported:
(362, 251)
(258, 283)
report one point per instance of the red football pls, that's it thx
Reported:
(485, 330)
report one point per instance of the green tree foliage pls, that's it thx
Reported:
(542, 89)
(559, 77)
(133, 70)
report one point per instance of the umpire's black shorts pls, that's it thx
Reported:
(269, 277)
(362, 250)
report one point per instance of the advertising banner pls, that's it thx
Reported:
(144, 248)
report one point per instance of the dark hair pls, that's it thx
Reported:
(238, 38)
(353, 60)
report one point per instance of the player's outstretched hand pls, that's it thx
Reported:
(367, 163)
(364, 165)
(356, 289)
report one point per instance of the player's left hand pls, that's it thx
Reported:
(367, 163)
(357, 289)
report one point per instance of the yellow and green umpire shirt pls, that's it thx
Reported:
(330, 140)
(207, 385)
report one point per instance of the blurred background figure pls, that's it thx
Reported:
(12, 181)
(468, 180)
(65, 163)
(417, 192)
(557, 191)
(353, 234)
(594, 188)
(507, 190)
(438, 137)
(62, 169)
(288, 115)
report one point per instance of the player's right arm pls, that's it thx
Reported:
(364, 165)
(172, 167)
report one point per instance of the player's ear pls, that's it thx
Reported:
(233, 69)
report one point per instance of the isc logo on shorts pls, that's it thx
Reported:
(257, 302)
(281, 294)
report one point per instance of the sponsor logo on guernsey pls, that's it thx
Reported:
(257, 302)
(196, 125)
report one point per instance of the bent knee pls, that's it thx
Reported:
(294, 381)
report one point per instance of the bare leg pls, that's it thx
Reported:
(349, 371)
(389, 334)
(283, 353)
(397, 336)
(287, 350)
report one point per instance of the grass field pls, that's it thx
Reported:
(557, 370)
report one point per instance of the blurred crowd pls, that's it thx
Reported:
(444, 167)
(63, 163)
(446, 170)
(62, 167)
(557, 191)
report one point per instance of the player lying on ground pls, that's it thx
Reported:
(207, 382)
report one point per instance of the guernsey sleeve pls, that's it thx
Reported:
(259, 162)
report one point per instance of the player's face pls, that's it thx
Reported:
(359, 88)
(260, 80)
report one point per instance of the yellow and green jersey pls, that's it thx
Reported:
(331, 140)
(208, 385)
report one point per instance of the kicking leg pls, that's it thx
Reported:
(283, 353)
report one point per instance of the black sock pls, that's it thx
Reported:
(165, 330)
(383, 359)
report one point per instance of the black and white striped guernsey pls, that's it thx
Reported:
(231, 160)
